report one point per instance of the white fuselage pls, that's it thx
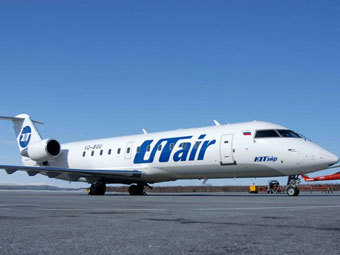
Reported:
(224, 151)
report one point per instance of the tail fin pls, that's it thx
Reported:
(25, 130)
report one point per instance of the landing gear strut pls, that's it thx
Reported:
(292, 185)
(137, 190)
(97, 189)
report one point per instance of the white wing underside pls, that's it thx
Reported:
(90, 175)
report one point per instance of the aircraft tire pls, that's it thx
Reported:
(97, 190)
(293, 191)
(136, 190)
(297, 192)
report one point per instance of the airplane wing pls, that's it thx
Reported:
(308, 179)
(119, 176)
(333, 167)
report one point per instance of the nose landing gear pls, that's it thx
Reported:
(292, 185)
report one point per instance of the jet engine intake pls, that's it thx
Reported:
(43, 150)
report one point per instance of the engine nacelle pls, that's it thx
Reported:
(42, 150)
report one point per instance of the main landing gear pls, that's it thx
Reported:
(97, 188)
(292, 185)
(138, 189)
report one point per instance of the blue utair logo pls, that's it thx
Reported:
(25, 136)
(186, 150)
(265, 159)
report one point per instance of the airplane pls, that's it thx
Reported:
(329, 177)
(240, 150)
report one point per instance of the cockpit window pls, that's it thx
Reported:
(288, 133)
(270, 133)
(266, 133)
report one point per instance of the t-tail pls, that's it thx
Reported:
(25, 131)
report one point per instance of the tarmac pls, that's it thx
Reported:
(59, 222)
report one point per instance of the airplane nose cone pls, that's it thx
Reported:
(331, 158)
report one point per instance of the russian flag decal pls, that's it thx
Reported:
(246, 133)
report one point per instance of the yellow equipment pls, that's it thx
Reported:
(253, 189)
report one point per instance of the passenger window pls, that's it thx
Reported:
(92, 153)
(148, 148)
(266, 134)
(184, 145)
(138, 148)
(160, 147)
(101, 152)
(109, 152)
(118, 151)
(128, 150)
(84, 153)
(171, 146)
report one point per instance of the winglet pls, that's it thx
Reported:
(217, 123)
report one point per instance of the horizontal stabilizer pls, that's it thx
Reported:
(17, 118)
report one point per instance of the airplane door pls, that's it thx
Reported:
(227, 150)
(128, 150)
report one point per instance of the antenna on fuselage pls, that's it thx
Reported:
(144, 131)
(217, 123)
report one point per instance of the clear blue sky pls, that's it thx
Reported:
(91, 69)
